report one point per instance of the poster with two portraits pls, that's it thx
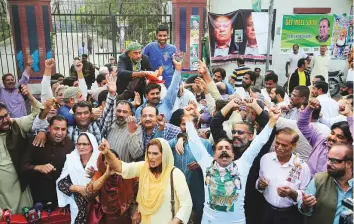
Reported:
(239, 34)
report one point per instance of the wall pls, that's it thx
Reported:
(283, 7)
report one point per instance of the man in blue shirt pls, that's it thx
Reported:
(160, 54)
(153, 97)
(322, 201)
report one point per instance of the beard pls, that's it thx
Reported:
(274, 100)
(244, 85)
(239, 144)
(335, 173)
(344, 93)
(120, 121)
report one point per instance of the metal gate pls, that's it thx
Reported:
(79, 28)
(7, 55)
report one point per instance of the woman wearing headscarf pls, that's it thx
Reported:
(71, 185)
(155, 192)
(115, 195)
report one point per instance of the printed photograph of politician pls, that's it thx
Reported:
(238, 34)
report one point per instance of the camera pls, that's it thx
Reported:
(346, 216)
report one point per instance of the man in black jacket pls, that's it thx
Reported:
(300, 77)
(133, 67)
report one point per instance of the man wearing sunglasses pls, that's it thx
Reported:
(340, 133)
(322, 200)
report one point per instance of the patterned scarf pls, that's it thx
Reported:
(136, 65)
(224, 186)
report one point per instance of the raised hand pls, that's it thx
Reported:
(274, 114)
(314, 103)
(104, 146)
(111, 84)
(201, 84)
(137, 99)
(161, 121)
(24, 90)
(131, 124)
(78, 66)
(202, 68)
(96, 113)
(346, 109)
(189, 112)
(49, 104)
(49, 63)
(250, 102)
(177, 60)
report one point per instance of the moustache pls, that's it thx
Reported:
(224, 155)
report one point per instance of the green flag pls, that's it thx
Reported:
(257, 5)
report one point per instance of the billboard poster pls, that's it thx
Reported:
(194, 42)
(238, 34)
(308, 31)
(342, 37)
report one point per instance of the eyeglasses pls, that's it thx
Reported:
(239, 132)
(2, 118)
(83, 144)
(336, 161)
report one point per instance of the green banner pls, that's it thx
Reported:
(307, 31)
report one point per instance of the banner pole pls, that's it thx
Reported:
(270, 24)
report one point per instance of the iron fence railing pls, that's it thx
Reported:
(100, 35)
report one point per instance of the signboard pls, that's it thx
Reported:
(238, 34)
(308, 31)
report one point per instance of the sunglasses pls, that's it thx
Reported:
(336, 161)
(239, 132)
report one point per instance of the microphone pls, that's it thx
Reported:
(38, 207)
(7, 215)
(25, 211)
(32, 216)
(49, 207)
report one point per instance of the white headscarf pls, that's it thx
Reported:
(74, 168)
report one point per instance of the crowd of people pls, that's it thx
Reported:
(137, 144)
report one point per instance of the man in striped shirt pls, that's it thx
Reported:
(240, 71)
(124, 136)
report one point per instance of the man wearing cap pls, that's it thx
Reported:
(160, 53)
(71, 96)
(133, 66)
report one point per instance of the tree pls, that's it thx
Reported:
(139, 18)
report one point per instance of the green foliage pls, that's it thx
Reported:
(139, 17)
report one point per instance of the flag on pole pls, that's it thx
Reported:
(257, 5)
